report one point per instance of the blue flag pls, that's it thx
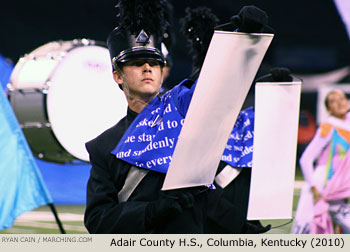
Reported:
(21, 185)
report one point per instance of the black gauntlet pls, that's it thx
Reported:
(250, 19)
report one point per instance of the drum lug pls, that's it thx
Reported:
(10, 87)
(46, 87)
(83, 41)
(86, 42)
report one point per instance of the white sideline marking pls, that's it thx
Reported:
(298, 184)
(48, 216)
(25, 223)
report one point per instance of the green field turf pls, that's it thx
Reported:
(41, 220)
(72, 220)
(70, 216)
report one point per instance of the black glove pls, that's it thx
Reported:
(158, 211)
(170, 204)
(185, 198)
(250, 19)
(255, 227)
(281, 74)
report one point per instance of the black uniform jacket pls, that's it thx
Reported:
(227, 208)
(104, 214)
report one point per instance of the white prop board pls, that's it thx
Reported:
(228, 71)
(275, 145)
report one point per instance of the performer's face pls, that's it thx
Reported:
(143, 77)
(337, 104)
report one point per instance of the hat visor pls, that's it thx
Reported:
(141, 53)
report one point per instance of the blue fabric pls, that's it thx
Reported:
(239, 148)
(337, 142)
(5, 72)
(21, 186)
(65, 182)
(150, 140)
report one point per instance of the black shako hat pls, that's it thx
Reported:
(142, 27)
(124, 47)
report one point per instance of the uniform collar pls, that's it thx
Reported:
(131, 115)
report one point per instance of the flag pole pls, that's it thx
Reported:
(58, 221)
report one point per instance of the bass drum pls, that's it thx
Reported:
(64, 95)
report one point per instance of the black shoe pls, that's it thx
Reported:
(255, 227)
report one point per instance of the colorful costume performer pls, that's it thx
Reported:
(331, 176)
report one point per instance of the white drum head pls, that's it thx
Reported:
(83, 99)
